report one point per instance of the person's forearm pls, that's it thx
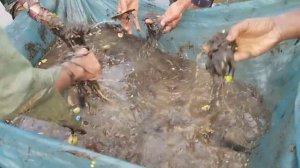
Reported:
(288, 25)
(41, 14)
(68, 75)
(184, 4)
(64, 80)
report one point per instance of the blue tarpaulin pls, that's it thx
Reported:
(276, 75)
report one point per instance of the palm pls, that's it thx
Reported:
(256, 43)
(254, 37)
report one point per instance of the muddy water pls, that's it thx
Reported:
(160, 112)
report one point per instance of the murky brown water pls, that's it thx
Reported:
(160, 114)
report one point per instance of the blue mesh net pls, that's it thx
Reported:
(276, 74)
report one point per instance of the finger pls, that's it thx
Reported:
(237, 29)
(125, 24)
(167, 18)
(136, 23)
(81, 51)
(163, 21)
(167, 29)
(175, 22)
(240, 56)
(94, 76)
(129, 30)
(123, 4)
(96, 70)
(119, 7)
(171, 26)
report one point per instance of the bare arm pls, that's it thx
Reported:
(174, 13)
(256, 36)
(288, 25)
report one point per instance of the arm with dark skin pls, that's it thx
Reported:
(256, 36)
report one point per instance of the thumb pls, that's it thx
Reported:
(240, 56)
(163, 21)
(136, 21)
(237, 29)
(167, 18)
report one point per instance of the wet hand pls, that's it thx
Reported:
(84, 65)
(125, 5)
(172, 16)
(254, 37)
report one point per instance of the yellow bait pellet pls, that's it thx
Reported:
(73, 140)
(228, 79)
(205, 108)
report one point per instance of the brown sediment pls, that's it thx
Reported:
(160, 114)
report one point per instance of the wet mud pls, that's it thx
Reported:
(161, 112)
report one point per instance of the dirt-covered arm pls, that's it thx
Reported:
(54, 23)
(39, 13)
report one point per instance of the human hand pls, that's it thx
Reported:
(254, 37)
(84, 65)
(172, 17)
(125, 5)
(173, 14)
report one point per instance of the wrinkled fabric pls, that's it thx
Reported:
(6, 18)
(276, 74)
(29, 91)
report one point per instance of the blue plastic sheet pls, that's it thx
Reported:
(276, 75)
